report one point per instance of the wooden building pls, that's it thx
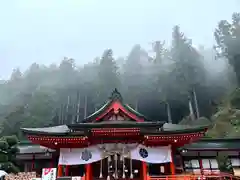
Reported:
(117, 141)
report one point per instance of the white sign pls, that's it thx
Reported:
(76, 178)
(49, 173)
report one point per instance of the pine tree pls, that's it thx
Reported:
(108, 77)
(227, 36)
(187, 69)
(133, 75)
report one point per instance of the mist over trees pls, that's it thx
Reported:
(156, 85)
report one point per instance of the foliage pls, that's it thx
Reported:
(38, 96)
(134, 78)
(234, 99)
(226, 121)
(224, 163)
(202, 121)
(8, 150)
(188, 69)
(227, 37)
(108, 78)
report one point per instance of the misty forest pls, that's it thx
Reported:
(167, 76)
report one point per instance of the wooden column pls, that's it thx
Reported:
(67, 170)
(144, 171)
(131, 170)
(88, 174)
(33, 163)
(101, 169)
(59, 171)
(200, 163)
(201, 166)
(172, 166)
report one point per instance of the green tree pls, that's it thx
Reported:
(108, 76)
(37, 112)
(227, 36)
(160, 76)
(16, 75)
(133, 75)
(159, 52)
(188, 68)
(30, 98)
(8, 151)
(12, 122)
(224, 163)
(188, 72)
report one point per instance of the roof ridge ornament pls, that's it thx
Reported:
(116, 95)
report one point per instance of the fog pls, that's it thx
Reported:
(173, 61)
(44, 31)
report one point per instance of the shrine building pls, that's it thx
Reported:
(118, 142)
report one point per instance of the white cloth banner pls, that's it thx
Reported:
(95, 153)
(77, 156)
(154, 155)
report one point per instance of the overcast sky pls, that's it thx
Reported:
(44, 31)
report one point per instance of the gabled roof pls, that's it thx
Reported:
(150, 128)
(115, 103)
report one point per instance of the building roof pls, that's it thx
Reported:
(29, 148)
(115, 97)
(151, 128)
(214, 144)
(55, 130)
(229, 144)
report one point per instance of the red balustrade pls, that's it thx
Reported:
(220, 176)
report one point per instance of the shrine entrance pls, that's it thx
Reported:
(162, 169)
(117, 167)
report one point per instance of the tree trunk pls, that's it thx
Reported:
(136, 105)
(236, 67)
(196, 104)
(191, 112)
(169, 113)
(85, 107)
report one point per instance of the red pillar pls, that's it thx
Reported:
(144, 171)
(67, 170)
(201, 166)
(172, 166)
(88, 172)
(33, 163)
(59, 171)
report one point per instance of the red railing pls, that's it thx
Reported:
(196, 177)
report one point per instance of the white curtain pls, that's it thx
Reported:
(77, 156)
(152, 155)
(92, 154)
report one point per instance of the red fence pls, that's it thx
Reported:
(196, 177)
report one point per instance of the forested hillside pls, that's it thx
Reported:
(150, 80)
